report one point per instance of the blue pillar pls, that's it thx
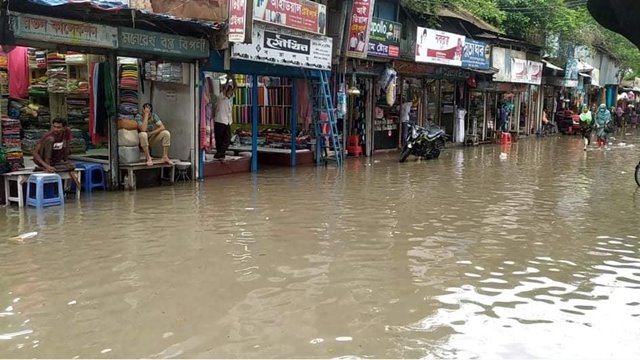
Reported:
(294, 121)
(201, 151)
(254, 125)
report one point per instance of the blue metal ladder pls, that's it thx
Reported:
(323, 104)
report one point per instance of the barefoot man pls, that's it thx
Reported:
(52, 150)
(151, 130)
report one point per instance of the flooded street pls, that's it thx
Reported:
(468, 256)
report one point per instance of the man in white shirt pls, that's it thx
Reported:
(222, 120)
(405, 111)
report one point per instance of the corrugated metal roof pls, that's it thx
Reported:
(112, 12)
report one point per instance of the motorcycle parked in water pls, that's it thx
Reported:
(423, 142)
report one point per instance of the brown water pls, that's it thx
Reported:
(468, 256)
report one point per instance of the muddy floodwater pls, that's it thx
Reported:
(533, 253)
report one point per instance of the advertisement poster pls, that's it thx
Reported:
(384, 38)
(237, 20)
(300, 15)
(526, 72)
(276, 46)
(358, 35)
(476, 55)
(440, 47)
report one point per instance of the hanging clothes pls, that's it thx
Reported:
(204, 101)
(101, 112)
(304, 104)
(18, 73)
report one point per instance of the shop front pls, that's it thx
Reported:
(273, 104)
(477, 59)
(97, 77)
(517, 100)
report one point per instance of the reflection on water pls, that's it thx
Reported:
(529, 251)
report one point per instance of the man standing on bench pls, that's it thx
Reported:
(52, 150)
(151, 130)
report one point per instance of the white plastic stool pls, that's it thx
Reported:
(182, 170)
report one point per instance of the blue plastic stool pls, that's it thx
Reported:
(44, 190)
(93, 176)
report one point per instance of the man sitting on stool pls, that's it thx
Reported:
(52, 150)
(151, 130)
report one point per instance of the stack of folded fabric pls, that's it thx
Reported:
(75, 86)
(75, 58)
(4, 60)
(12, 144)
(39, 86)
(31, 138)
(4, 83)
(78, 113)
(44, 117)
(41, 59)
(57, 79)
(129, 76)
(31, 56)
(55, 58)
(4, 107)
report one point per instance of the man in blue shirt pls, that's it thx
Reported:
(150, 131)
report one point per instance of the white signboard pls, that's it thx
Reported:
(526, 71)
(439, 47)
(279, 46)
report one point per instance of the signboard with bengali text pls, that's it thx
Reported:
(163, 44)
(359, 23)
(476, 55)
(384, 38)
(439, 47)
(286, 47)
(62, 31)
(303, 15)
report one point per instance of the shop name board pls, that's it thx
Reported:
(526, 71)
(359, 22)
(439, 47)
(163, 44)
(46, 29)
(452, 73)
(384, 38)
(237, 20)
(281, 42)
(303, 15)
(285, 47)
(476, 55)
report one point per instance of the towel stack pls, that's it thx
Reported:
(39, 86)
(128, 107)
(12, 144)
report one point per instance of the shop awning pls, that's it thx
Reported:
(551, 66)
(489, 71)
(115, 13)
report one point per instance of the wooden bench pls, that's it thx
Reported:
(21, 177)
(129, 170)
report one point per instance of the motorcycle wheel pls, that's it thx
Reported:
(637, 174)
(405, 154)
(439, 146)
(435, 153)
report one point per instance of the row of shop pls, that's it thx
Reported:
(471, 86)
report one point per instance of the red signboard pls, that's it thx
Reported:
(301, 15)
(358, 39)
(237, 20)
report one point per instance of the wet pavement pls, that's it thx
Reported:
(531, 254)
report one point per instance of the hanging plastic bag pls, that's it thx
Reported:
(342, 102)
(391, 93)
(387, 76)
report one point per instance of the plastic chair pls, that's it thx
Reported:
(353, 145)
(44, 190)
(182, 170)
(93, 176)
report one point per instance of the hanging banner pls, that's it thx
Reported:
(279, 46)
(535, 72)
(384, 38)
(571, 70)
(476, 55)
(526, 71)
(440, 47)
(238, 21)
(300, 15)
(358, 35)
(61, 31)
